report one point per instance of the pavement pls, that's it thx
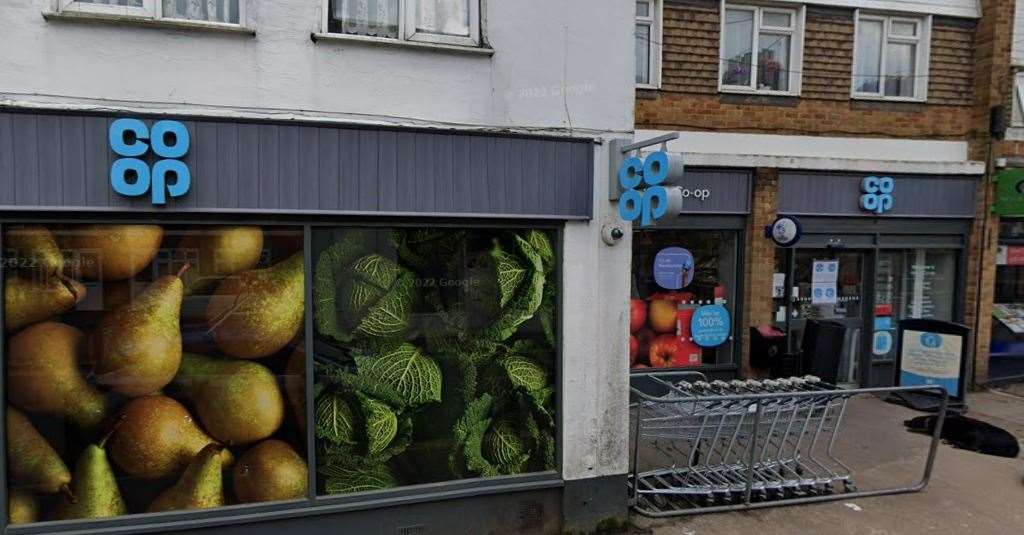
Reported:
(969, 493)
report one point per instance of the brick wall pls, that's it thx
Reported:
(760, 254)
(689, 97)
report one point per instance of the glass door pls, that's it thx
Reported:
(829, 285)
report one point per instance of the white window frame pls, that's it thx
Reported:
(923, 56)
(798, 16)
(654, 47)
(151, 9)
(407, 27)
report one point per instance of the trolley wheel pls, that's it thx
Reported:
(849, 486)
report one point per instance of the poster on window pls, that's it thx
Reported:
(824, 271)
(824, 293)
(929, 358)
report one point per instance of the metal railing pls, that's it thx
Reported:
(746, 444)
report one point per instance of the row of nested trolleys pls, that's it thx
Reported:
(705, 446)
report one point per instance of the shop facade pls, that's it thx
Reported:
(394, 296)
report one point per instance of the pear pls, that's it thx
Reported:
(270, 471)
(35, 249)
(218, 252)
(22, 507)
(156, 437)
(32, 464)
(137, 346)
(111, 252)
(94, 491)
(257, 312)
(295, 385)
(44, 375)
(29, 301)
(238, 402)
(200, 487)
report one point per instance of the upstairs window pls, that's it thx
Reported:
(761, 49)
(648, 43)
(891, 57)
(212, 11)
(452, 22)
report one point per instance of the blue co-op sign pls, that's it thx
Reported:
(132, 176)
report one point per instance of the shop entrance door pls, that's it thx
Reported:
(842, 297)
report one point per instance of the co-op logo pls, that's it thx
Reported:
(701, 194)
(877, 194)
(132, 177)
(650, 203)
(931, 340)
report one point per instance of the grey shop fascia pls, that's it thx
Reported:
(306, 185)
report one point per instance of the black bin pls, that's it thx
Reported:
(821, 349)
(767, 343)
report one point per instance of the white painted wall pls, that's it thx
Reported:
(560, 67)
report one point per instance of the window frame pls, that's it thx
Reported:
(798, 16)
(922, 58)
(407, 27)
(654, 43)
(151, 9)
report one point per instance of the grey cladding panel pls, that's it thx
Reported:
(914, 196)
(53, 161)
(728, 191)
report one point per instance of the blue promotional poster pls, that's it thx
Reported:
(710, 326)
(931, 359)
(673, 268)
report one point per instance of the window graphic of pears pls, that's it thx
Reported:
(200, 487)
(35, 249)
(255, 313)
(270, 471)
(111, 252)
(22, 507)
(137, 346)
(238, 402)
(32, 464)
(28, 301)
(94, 491)
(216, 252)
(44, 375)
(156, 437)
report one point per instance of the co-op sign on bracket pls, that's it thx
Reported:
(132, 175)
(646, 186)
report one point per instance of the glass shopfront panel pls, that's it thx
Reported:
(1006, 352)
(152, 368)
(662, 311)
(435, 355)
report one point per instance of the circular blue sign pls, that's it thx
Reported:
(710, 326)
(785, 231)
(673, 268)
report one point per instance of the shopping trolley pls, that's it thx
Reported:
(745, 444)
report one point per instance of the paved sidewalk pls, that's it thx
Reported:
(969, 493)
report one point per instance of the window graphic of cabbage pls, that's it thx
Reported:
(370, 299)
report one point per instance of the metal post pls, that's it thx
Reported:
(753, 452)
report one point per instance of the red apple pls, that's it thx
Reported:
(634, 348)
(663, 351)
(637, 314)
(639, 365)
(662, 314)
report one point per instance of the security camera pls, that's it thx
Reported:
(612, 234)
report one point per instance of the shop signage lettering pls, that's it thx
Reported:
(651, 202)
(697, 193)
(877, 194)
(132, 176)
(710, 326)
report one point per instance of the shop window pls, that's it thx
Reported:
(648, 43)
(891, 57)
(761, 49)
(676, 274)
(153, 368)
(453, 22)
(215, 11)
(1007, 338)
(435, 355)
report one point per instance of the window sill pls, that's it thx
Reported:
(173, 24)
(758, 92)
(367, 40)
(878, 98)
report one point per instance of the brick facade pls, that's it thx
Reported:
(969, 74)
